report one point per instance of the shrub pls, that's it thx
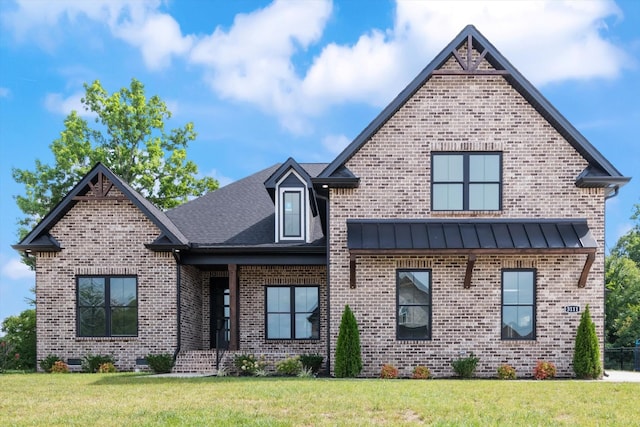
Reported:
(290, 366)
(247, 364)
(388, 372)
(586, 356)
(107, 368)
(421, 373)
(465, 367)
(506, 372)
(348, 362)
(312, 361)
(544, 370)
(160, 363)
(59, 367)
(7, 356)
(306, 373)
(47, 363)
(91, 363)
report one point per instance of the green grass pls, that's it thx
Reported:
(128, 399)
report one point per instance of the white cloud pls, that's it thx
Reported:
(14, 269)
(4, 92)
(222, 180)
(58, 104)
(253, 61)
(334, 144)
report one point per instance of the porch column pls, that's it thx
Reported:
(233, 306)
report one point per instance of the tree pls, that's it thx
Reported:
(20, 335)
(622, 276)
(586, 355)
(129, 138)
(348, 359)
(622, 316)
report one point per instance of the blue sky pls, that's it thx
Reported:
(262, 81)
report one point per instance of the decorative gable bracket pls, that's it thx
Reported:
(100, 190)
(468, 64)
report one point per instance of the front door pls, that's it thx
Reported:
(220, 312)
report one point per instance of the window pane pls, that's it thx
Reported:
(124, 321)
(278, 300)
(91, 291)
(292, 214)
(517, 322)
(525, 287)
(92, 322)
(484, 167)
(413, 322)
(447, 168)
(510, 287)
(484, 197)
(413, 287)
(278, 326)
(447, 197)
(306, 299)
(123, 291)
(307, 325)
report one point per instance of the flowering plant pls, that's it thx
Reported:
(544, 370)
(248, 364)
(506, 372)
(59, 367)
(388, 371)
(421, 373)
(107, 368)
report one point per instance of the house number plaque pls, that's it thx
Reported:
(571, 309)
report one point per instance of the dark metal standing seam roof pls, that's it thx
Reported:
(478, 235)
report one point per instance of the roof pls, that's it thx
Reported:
(239, 215)
(596, 160)
(472, 235)
(39, 238)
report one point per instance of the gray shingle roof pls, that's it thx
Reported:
(239, 214)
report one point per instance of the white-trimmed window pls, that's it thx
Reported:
(292, 222)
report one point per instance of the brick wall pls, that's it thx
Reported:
(191, 313)
(105, 237)
(466, 113)
(253, 282)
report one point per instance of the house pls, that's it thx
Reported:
(467, 217)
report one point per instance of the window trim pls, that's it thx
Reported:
(301, 221)
(430, 328)
(534, 305)
(107, 305)
(291, 312)
(466, 182)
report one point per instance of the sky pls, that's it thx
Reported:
(263, 81)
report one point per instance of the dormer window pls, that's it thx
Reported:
(292, 218)
(291, 202)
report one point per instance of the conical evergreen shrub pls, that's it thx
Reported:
(586, 356)
(348, 360)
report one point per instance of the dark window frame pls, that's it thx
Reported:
(107, 305)
(534, 306)
(291, 312)
(430, 305)
(466, 182)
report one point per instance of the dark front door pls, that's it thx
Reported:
(220, 312)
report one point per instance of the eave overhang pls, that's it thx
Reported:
(204, 255)
(470, 238)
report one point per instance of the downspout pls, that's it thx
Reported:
(176, 255)
(328, 276)
(616, 189)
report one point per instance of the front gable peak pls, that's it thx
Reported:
(98, 184)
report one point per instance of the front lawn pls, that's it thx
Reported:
(129, 399)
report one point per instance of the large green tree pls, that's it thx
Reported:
(129, 137)
(622, 268)
(20, 335)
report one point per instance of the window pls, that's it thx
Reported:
(518, 305)
(107, 306)
(466, 181)
(413, 304)
(292, 213)
(293, 312)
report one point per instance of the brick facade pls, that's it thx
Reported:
(466, 113)
(105, 237)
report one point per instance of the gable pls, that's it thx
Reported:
(98, 184)
(471, 54)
